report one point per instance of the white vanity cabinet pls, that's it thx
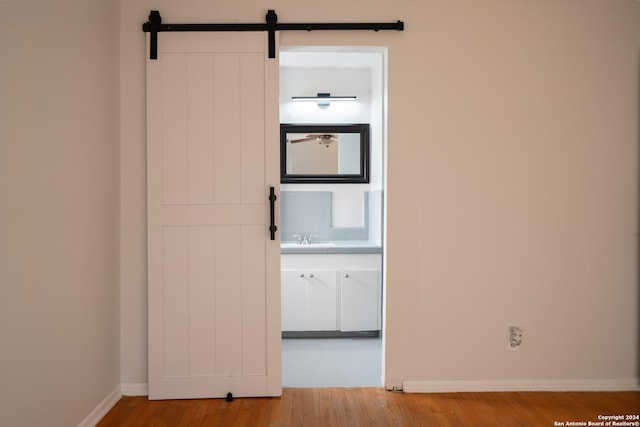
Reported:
(360, 300)
(331, 292)
(309, 300)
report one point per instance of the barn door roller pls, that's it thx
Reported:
(155, 26)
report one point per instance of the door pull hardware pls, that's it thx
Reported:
(272, 212)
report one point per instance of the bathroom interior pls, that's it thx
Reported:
(332, 115)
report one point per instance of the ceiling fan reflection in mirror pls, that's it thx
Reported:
(325, 139)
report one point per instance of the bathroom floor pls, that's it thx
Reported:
(332, 362)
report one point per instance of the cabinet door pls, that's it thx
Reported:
(360, 300)
(309, 300)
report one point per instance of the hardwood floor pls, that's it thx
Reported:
(338, 407)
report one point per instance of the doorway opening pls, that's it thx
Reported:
(333, 232)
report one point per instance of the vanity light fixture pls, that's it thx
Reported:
(324, 98)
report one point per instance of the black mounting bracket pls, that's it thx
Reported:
(155, 26)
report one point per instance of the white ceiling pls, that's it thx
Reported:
(329, 59)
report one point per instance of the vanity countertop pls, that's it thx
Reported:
(336, 247)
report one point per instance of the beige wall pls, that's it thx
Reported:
(512, 190)
(59, 185)
(512, 181)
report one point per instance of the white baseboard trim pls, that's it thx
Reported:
(622, 384)
(135, 389)
(101, 409)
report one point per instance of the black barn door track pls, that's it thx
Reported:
(155, 26)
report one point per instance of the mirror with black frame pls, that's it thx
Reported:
(328, 153)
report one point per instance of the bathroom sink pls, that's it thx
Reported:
(324, 247)
(308, 245)
(322, 244)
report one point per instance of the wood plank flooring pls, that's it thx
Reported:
(339, 407)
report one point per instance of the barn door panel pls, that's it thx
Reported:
(214, 284)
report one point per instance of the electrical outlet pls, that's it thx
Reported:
(514, 339)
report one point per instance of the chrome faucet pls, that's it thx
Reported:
(305, 239)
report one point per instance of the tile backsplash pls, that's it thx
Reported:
(309, 213)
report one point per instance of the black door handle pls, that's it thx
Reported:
(272, 211)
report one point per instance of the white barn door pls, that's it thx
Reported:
(214, 273)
